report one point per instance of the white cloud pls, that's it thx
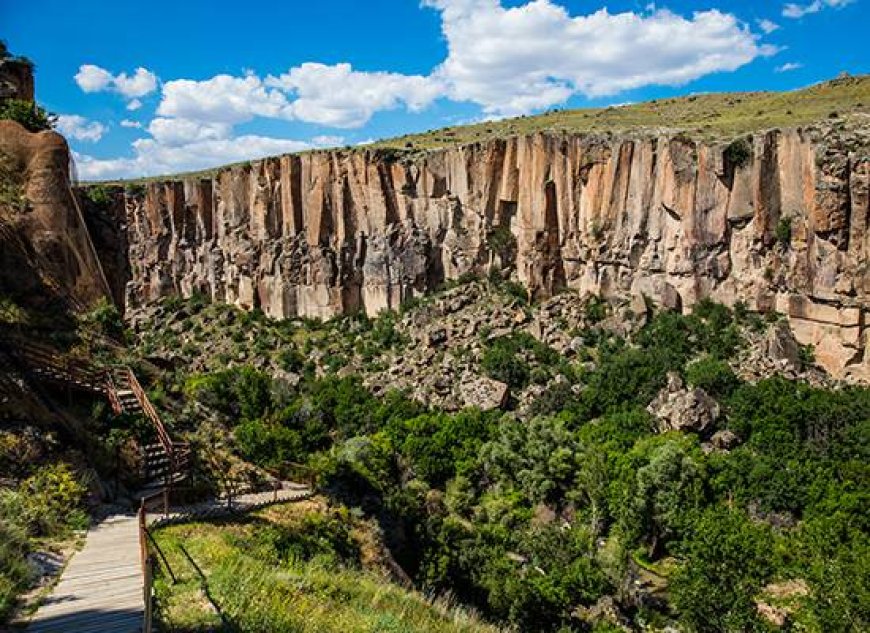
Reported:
(142, 82)
(506, 60)
(795, 11)
(339, 96)
(512, 61)
(129, 123)
(92, 78)
(768, 26)
(788, 67)
(223, 99)
(152, 158)
(80, 128)
(176, 132)
(327, 141)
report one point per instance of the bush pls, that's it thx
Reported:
(738, 153)
(267, 444)
(783, 232)
(713, 376)
(47, 503)
(325, 537)
(106, 317)
(502, 360)
(31, 116)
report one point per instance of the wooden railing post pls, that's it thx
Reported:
(148, 623)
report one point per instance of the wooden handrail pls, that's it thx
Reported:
(152, 415)
(147, 565)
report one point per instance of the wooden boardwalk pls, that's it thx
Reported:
(102, 587)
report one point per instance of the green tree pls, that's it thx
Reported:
(667, 488)
(727, 561)
(31, 116)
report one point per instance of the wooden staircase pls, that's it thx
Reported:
(165, 462)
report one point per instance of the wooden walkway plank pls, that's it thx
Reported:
(101, 588)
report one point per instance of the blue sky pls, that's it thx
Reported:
(158, 87)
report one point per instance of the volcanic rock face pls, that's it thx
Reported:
(16, 79)
(784, 227)
(45, 247)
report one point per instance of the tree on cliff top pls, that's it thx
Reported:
(33, 117)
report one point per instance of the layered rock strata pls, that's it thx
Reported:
(778, 221)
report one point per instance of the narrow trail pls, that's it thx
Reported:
(102, 588)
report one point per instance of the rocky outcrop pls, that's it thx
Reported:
(16, 77)
(45, 247)
(679, 409)
(777, 221)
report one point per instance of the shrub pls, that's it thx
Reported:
(783, 232)
(326, 537)
(31, 116)
(99, 195)
(713, 376)
(47, 503)
(502, 360)
(738, 153)
(106, 317)
(267, 444)
(595, 310)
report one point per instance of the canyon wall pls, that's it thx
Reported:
(778, 222)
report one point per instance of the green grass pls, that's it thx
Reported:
(254, 591)
(709, 117)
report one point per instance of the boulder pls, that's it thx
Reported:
(485, 393)
(679, 409)
(780, 344)
(724, 440)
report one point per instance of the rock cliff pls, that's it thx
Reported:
(45, 246)
(777, 220)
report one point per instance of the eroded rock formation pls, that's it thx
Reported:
(779, 223)
(45, 246)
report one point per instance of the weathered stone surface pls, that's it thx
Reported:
(681, 409)
(328, 232)
(781, 344)
(49, 224)
(16, 79)
(485, 393)
(724, 440)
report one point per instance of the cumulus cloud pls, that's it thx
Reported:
(514, 60)
(788, 67)
(339, 96)
(327, 141)
(223, 99)
(794, 11)
(508, 61)
(768, 26)
(151, 158)
(142, 82)
(80, 128)
(129, 123)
